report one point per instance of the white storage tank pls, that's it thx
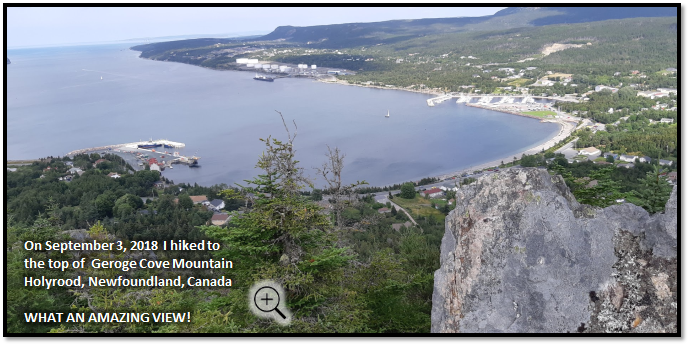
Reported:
(283, 68)
(266, 66)
(313, 67)
(242, 61)
(250, 65)
(257, 66)
(253, 61)
(274, 66)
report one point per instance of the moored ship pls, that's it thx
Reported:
(149, 146)
(263, 78)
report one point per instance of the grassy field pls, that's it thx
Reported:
(519, 82)
(542, 114)
(419, 207)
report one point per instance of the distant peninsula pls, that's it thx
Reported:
(8, 61)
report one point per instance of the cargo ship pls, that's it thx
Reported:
(263, 78)
(149, 146)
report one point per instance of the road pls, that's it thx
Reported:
(566, 146)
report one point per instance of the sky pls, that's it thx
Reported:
(49, 26)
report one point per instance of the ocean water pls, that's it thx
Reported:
(57, 102)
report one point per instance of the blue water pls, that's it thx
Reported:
(57, 102)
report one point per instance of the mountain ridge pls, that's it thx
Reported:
(354, 34)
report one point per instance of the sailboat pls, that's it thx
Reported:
(101, 77)
(388, 115)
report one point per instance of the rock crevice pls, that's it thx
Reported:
(521, 255)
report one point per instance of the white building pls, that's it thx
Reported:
(628, 158)
(591, 151)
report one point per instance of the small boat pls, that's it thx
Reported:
(101, 77)
(388, 115)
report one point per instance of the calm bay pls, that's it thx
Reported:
(57, 102)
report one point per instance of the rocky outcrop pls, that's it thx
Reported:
(8, 61)
(521, 255)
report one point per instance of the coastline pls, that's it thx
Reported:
(427, 92)
(566, 129)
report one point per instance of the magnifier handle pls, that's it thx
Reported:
(280, 313)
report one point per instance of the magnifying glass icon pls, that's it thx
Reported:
(267, 299)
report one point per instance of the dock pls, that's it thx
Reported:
(133, 145)
(143, 154)
(432, 101)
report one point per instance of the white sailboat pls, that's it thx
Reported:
(388, 115)
(101, 77)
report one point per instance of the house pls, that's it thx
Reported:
(69, 163)
(475, 76)
(616, 74)
(599, 88)
(607, 154)
(217, 204)
(114, 175)
(198, 199)
(598, 127)
(672, 177)
(220, 219)
(66, 178)
(646, 159)
(155, 167)
(384, 210)
(75, 171)
(159, 184)
(665, 162)
(11, 169)
(435, 192)
(628, 158)
(591, 151)
(99, 161)
(626, 165)
(666, 120)
(634, 72)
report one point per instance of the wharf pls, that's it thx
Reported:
(132, 152)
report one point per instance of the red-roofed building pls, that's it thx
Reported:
(99, 161)
(220, 219)
(435, 192)
(198, 199)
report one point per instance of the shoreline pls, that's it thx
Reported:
(435, 93)
(565, 131)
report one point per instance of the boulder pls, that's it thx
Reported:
(521, 255)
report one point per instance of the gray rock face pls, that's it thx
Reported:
(521, 255)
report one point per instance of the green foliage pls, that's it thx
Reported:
(185, 201)
(407, 191)
(656, 191)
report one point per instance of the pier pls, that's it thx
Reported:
(432, 101)
(133, 145)
(143, 154)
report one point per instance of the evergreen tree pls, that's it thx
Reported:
(656, 192)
